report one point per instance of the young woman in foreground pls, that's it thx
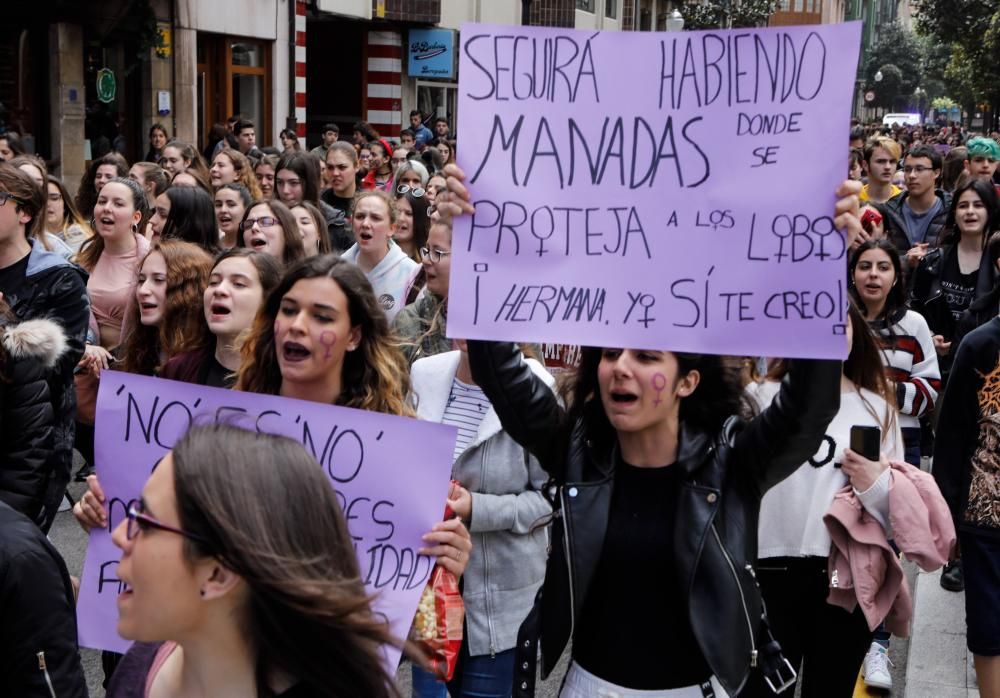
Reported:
(657, 491)
(234, 593)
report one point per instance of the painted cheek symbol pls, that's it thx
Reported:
(328, 339)
(659, 383)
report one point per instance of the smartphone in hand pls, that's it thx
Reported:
(866, 441)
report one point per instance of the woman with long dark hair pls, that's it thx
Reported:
(657, 484)
(190, 217)
(793, 541)
(269, 227)
(242, 578)
(231, 202)
(876, 281)
(950, 278)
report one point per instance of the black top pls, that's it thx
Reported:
(959, 289)
(634, 630)
(215, 375)
(12, 279)
(344, 203)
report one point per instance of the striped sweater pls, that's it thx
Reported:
(909, 356)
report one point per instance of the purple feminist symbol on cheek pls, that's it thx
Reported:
(328, 339)
(659, 383)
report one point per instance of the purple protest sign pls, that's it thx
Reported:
(652, 190)
(390, 491)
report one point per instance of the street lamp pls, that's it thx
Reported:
(675, 22)
(878, 76)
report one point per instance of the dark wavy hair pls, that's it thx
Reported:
(895, 304)
(375, 376)
(307, 167)
(718, 396)
(421, 225)
(191, 218)
(259, 504)
(91, 250)
(180, 329)
(294, 251)
(86, 195)
(987, 194)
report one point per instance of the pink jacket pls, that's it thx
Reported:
(863, 567)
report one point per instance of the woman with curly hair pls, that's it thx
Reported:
(166, 317)
(231, 166)
(100, 172)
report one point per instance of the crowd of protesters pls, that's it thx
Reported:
(724, 513)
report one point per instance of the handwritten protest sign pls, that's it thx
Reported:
(390, 492)
(654, 190)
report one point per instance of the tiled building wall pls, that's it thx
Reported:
(409, 10)
(553, 13)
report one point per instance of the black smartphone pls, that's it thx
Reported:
(866, 442)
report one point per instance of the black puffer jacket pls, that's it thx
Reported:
(29, 353)
(39, 615)
(726, 475)
(57, 290)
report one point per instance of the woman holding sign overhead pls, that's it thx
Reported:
(234, 593)
(656, 485)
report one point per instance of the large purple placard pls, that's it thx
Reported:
(390, 474)
(654, 190)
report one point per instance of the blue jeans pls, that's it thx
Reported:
(911, 445)
(483, 676)
(426, 685)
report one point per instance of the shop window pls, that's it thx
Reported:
(439, 99)
(234, 76)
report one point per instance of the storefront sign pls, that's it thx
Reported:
(432, 53)
(106, 85)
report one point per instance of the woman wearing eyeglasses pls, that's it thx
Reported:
(421, 325)
(385, 264)
(269, 227)
(231, 593)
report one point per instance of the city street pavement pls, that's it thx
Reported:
(939, 662)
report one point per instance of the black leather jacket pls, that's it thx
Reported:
(716, 535)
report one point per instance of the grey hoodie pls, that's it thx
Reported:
(509, 547)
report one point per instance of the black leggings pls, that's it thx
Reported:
(825, 642)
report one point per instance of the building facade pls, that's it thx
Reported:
(81, 78)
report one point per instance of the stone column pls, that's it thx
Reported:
(66, 95)
(186, 85)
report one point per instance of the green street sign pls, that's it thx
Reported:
(106, 85)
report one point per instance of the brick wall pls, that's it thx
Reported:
(428, 11)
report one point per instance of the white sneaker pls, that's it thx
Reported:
(876, 668)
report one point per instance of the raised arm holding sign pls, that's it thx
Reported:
(624, 196)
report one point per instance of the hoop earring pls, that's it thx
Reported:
(135, 228)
